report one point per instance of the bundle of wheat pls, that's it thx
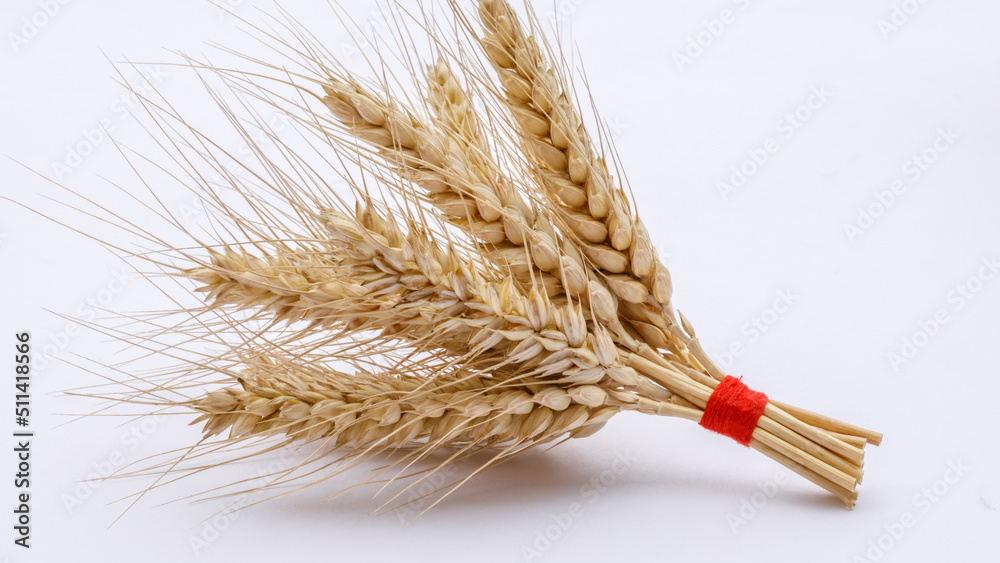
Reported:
(499, 292)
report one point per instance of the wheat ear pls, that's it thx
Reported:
(364, 410)
(571, 170)
(469, 191)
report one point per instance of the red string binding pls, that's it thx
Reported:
(733, 410)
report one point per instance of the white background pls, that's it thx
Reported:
(679, 132)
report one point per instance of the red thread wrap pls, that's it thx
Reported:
(733, 410)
